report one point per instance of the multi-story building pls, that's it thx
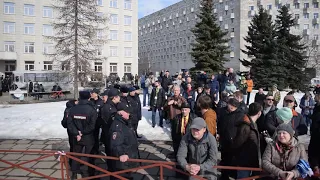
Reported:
(165, 37)
(23, 45)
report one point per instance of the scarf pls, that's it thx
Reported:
(284, 151)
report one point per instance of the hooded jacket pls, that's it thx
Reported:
(69, 105)
(272, 158)
(203, 153)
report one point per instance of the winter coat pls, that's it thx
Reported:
(177, 125)
(214, 86)
(191, 93)
(299, 124)
(250, 85)
(314, 145)
(271, 121)
(69, 105)
(306, 111)
(165, 82)
(223, 80)
(211, 120)
(246, 144)
(243, 107)
(149, 84)
(259, 98)
(203, 153)
(230, 88)
(173, 109)
(272, 158)
(158, 101)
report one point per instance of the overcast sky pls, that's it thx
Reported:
(147, 7)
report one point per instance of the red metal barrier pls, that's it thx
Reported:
(63, 157)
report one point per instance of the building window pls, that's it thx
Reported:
(9, 27)
(306, 5)
(306, 15)
(269, 7)
(316, 5)
(47, 65)
(296, 5)
(114, 3)
(316, 15)
(113, 51)
(99, 2)
(29, 65)
(114, 19)
(47, 30)
(47, 12)
(65, 66)
(98, 66)
(113, 68)
(297, 16)
(127, 36)
(306, 26)
(9, 46)
(127, 52)
(10, 66)
(127, 67)
(127, 4)
(251, 8)
(8, 8)
(48, 48)
(28, 28)
(127, 20)
(99, 50)
(113, 35)
(29, 47)
(29, 10)
(316, 26)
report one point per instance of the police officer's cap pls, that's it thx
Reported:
(105, 93)
(113, 92)
(84, 95)
(122, 107)
(124, 89)
(117, 86)
(131, 89)
(95, 90)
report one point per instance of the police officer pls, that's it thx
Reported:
(125, 101)
(81, 125)
(104, 96)
(98, 103)
(136, 107)
(123, 142)
(108, 112)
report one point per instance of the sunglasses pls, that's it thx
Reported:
(288, 101)
(270, 99)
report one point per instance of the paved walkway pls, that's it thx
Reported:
(51, 166)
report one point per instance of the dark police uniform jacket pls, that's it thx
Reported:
(82, 118)
(135, 116)
(108, 111)
(98, 104)
(123, 141)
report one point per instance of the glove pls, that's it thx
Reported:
(268, 140)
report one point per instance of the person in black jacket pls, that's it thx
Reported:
(70, 104)
(157, 101)
(260, 97)
(98, 103)
(238, 95)
(123, 143)
(81, 124)
(166, 80)
(136, 106)
(137, 99)
(246, 144)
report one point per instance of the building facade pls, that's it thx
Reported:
(165, 37)
(23, 45)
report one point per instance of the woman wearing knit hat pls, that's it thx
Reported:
(281, 156)
(282, 115)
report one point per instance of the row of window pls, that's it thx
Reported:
(114, 4)
(28, 28)
(114, 35)
(48, 48)
(48, 65)
(9, 8)
(115, 20)
(306, 15)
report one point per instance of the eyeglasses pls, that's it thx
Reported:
(288, 101)
(270, 99)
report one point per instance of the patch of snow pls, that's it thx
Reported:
(43, 121)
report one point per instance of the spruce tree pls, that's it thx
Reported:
(291, 49)
(209, 49)
(262, 48)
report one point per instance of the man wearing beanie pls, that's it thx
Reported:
(281, 157)
(136, 108)
(81, 125)
(282, 115)
(297, 121)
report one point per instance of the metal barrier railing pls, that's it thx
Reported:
(63, 158)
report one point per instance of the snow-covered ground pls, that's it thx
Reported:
(42, 121)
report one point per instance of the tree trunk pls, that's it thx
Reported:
(76, 57)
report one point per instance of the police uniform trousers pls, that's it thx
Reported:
(81, 147)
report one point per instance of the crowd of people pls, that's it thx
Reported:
(206, 115)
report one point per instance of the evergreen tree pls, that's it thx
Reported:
(262, 48)
(209, 50)
(79, 28)
(291, 49)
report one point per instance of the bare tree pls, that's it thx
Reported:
(79, 29)
(312, 53)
